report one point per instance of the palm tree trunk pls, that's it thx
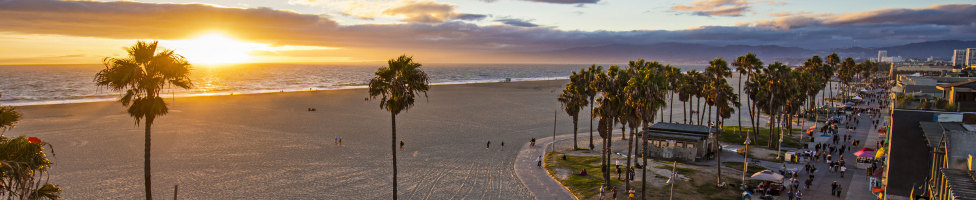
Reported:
(671, 108)
(684, 106)
(644, 166)
(393, 149)
(575, 128)
(701, 111)
(630, 156)
(739, 109)
(606, 175)
(718, 155)
(148, 170)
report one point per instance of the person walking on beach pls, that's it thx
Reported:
(488, 146)
(401, 145)
(503, 145)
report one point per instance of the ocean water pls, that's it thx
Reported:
(57, 84)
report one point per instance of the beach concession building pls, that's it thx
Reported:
(683, 142)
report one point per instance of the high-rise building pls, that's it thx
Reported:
(881, 55)
(958, 57)
(970, 57)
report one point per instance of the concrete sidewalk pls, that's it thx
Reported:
(535, 178)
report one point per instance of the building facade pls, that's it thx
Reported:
(958, 57)
(970, 57)
(683, 142)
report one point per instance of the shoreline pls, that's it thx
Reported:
(115, 97)
(209, 142)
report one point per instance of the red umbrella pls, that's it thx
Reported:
(866, 149)
(864, 154)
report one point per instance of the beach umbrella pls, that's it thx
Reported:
(767, 175)
(864, 154)
(866, 149)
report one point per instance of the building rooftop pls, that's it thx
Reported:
(906, 151)
(961, 183)
(933, 132)
(966, 84)
(959, 145)
(686, 128)
(925, 89)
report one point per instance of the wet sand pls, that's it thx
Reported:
(267, 146)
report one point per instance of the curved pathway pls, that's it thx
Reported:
(536, 179)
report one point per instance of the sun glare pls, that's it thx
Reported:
(213, 49)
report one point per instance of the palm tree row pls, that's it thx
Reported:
(632, 97)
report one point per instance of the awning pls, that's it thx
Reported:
(864, 154)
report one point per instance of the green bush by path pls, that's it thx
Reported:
(581, 186)
(738, 166)
(730, 136)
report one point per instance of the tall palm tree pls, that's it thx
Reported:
(691, 89)
(848, 69)
(674, 77)
(397, 87)
(573, 100)
(140, 77)
(589, 76)
(746, 65)
(830, 69)
(644, 93)
(8, 118)
(717, 74)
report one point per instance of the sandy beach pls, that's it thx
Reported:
(269, 146)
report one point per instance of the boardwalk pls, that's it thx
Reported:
(535, 178)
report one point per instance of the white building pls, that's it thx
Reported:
(882, 55)
(970, 57)
(958, 57)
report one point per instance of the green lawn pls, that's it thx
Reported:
(582, 186)
(680, 170)
(738, 165)
(730, 136)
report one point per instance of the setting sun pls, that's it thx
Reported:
(213, 48)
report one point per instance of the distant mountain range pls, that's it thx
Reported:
(691, 53)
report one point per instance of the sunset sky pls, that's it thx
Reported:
(454, 31)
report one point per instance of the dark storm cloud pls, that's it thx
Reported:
(517, 22)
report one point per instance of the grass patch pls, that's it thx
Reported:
(730, 137)
(582, 186)
(738, 166)
(680, 170)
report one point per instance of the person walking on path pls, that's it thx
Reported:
(618, 172)
(401, 145)
(488, 145)
(503, 145)
(539, 162)
(842, 170)
(839, 188)
(833, 188)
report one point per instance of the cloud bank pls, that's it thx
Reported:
(731, 8)
(435, 30)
